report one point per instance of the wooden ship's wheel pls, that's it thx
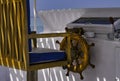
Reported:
(79, 53)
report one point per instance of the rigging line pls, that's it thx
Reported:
(35, 15)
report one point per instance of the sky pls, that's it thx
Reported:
(67, 4)
(49, 4)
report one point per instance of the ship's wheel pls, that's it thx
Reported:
(79, 54)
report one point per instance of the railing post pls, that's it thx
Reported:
(32, 75)
(34, 40)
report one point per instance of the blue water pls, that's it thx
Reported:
(38, 24)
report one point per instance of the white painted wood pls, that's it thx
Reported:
(4, 74)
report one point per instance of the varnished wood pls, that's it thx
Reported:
(45, 35)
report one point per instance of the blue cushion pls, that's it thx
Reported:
(42, 55)
(46, 56)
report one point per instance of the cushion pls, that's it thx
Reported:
(43, 55)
